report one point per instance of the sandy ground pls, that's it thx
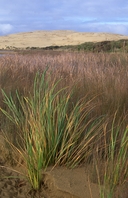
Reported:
(57, 182)
(53, 38)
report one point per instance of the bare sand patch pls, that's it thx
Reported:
(57, 182)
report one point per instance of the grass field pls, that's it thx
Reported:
(67, 109)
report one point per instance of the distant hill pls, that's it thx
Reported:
(67, 39)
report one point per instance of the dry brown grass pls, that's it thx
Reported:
(101, 75)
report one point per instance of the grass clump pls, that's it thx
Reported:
(49, 131)
(115, 164)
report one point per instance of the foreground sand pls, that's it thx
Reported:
(58, 182)
(53, 38)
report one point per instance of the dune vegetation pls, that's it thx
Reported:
(95, 47)
(67, 109)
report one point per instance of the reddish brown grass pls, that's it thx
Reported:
(101, 75)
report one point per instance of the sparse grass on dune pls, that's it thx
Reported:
(67, 109)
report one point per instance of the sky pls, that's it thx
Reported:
(109, 16)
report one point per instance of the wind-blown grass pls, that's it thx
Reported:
(49, 132)
(115, 165)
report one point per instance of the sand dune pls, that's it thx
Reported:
(52, 38)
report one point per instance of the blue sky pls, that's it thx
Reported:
(78, 15)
